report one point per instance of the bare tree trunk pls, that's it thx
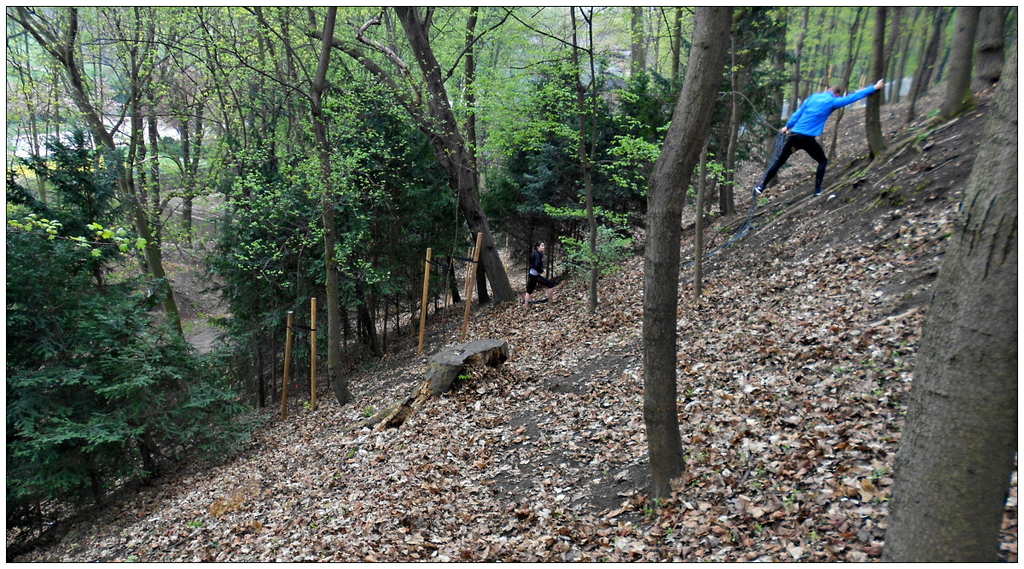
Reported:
(470, 78)
(957, 451)
(796, 61)
(450, 148)
(905, 54)
(873, 113)
(671, 176)
(928, 54)
(853, 48)
(958, 87)
(698, 241)
(989, 54)
(585, 166)
(338, 381)
(726, 204)
(677, 44)
(890, 54)
(637, 51)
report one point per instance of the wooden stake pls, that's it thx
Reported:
(287, 366)
(423, 303)
(312, 353)
(471, 282)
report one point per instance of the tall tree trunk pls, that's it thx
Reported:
(958, 87)
(677, 44)
(698, 240)
(853, 48)
(890, 54)
(945, 57)
(450, 149)
(796, 61)
(989, 55)
(154, 163)
(905, 54)
(928, 54)
(338, 381)
(873, 113)
(957, 451)
(584, 158)
(470, 78)
(637, 51)
(726, 204)
(672, 172)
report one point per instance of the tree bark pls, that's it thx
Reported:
(470, 78)
(585, 166)
(958, 87)
(337, 380)
(637, 53)
(929, 53)
(726, 204)
(890, 54)
(957, 451)
(905, 54)
(796, 61)
(698, 241)
(671, 176)
(450, 149)
(853, 48)
(990, 42)
(873, 113)
(677, 44)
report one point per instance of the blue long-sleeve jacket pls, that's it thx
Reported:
(810, 118)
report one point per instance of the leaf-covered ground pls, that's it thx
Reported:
(793, 371)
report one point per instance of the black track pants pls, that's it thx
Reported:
(799, 142)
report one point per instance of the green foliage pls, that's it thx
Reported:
(612, 249)
(97, 392)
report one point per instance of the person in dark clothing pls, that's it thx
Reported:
(808, 122)
(536, 276)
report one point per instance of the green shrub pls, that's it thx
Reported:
(99, 391)
(612, 249)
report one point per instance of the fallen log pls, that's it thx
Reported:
(443, 368)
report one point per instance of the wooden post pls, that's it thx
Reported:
(423, 303)
(287, 366)
(312, 353)
(471, 282)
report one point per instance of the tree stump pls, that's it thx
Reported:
(443, 368)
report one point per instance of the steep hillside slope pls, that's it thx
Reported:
(792, 373)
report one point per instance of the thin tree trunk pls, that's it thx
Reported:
(989, 50)
(672, 173)
(905, 54)
(637, 53)
(890, 54)
(958, 87)
(470, 77)
(698, 241)
(338, 381)
(873, 113)
(677, 44)
(929, 52)
(588, 184)
(853, 48)
(726, 204)
(154, 166)
(796, 61)
(960, 439)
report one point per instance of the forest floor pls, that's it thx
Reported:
(793, 373)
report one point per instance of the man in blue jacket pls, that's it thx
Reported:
(807, 122)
